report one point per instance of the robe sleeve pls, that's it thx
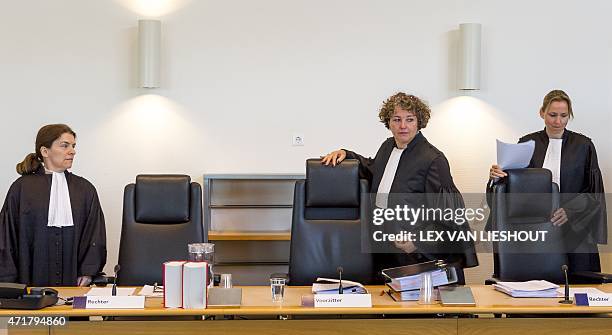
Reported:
(586, 211)
(441, 193)
(596, 187)
(9, 223)
(366, 165)
(92, 244)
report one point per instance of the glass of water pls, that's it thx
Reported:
(278, 289)
(203, 252)
(426, 293)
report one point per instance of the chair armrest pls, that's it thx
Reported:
(101, 279)
(491, 281)
(590, 277)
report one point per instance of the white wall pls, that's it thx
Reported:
(241, 76)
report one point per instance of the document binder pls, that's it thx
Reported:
(404, 278)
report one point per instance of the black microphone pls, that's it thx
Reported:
(116, 269)
(566, 299)
(340, 290)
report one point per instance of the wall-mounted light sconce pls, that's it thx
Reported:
(469, 56)
(149, 45)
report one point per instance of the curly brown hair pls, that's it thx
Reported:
(406, 102)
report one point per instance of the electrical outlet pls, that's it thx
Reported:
(297, 140)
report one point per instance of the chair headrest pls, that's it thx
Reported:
(162, 198)
(329, 186)
(529, 181)
(529, 193)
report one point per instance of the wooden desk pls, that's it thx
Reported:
(378, 319)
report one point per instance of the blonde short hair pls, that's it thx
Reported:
(556, 95)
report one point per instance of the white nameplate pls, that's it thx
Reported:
(593, 300)
(108, 302)
(342, 300)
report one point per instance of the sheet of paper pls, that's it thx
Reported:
(147, 291)
(514, 156)
(108, 291)
(573, 290)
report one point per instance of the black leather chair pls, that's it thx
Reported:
(524, 201)
(326, 228)
(161, 215)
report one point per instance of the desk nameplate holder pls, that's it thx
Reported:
(593, 300)
(224, 297)
(342, 300)
(109, 302)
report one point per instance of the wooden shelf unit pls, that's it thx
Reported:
(248, 217)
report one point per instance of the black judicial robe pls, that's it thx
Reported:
(582, 195)
(422, 169)
(37, 255)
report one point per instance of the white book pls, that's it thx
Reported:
(195, 285)
(173, 284)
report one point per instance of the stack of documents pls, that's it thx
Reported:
(439, 277)
(528, 289)
(331, 286)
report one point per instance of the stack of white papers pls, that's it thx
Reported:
(514, 156)
(528, 289)
(331, 286)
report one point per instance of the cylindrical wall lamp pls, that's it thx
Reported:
(469, 56)
(149, 45)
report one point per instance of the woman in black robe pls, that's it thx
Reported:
(575, 169)
(408, 170)
(52, 230)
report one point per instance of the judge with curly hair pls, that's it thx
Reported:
(407, 166)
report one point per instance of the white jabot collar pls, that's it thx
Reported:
(60, 210)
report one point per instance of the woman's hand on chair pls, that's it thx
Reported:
(496, 172)
(334, 157)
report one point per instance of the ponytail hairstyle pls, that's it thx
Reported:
(45, 138)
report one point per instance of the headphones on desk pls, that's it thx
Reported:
(16, 296)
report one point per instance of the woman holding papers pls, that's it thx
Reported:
(408, 166)
(572, 159)
(52, 229)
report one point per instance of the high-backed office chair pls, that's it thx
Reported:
(161, 215)
(524, 201)
(326, 228)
